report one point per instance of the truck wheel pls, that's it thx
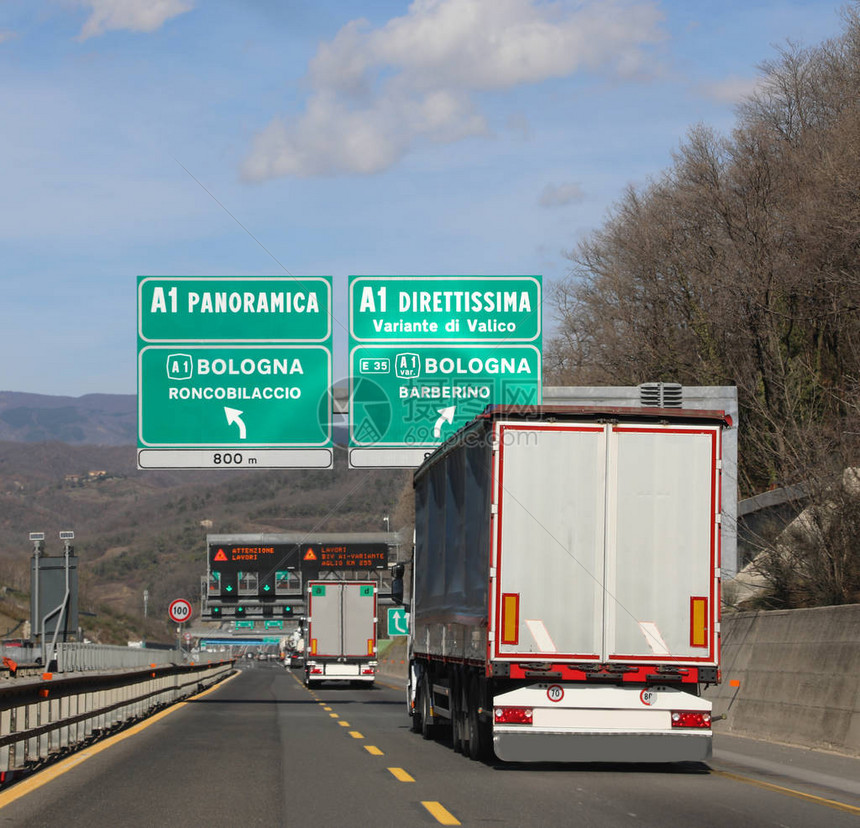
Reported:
(459, 737)
(479, 733)
(428, 729)
(415, 716)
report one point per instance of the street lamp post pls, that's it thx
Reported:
(38, 539)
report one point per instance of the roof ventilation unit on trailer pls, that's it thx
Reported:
(661, 395)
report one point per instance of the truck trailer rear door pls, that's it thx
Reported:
(606, 541)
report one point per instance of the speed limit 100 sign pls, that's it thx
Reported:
(179, 610)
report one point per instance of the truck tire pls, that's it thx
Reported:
(415, 711)
(459, 727)
(479, 732)
(415, 718)
(428, 729)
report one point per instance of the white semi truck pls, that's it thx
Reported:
(566, 584)
(341, 632)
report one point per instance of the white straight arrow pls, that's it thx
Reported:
(447, 417)
(235, 416)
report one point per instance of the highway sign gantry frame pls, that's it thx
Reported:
(428, 353)
(234, 372)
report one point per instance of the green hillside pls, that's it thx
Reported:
(146, 530)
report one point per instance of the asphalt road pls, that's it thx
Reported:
(262, 750)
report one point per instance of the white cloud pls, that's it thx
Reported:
(557, 195)
(376, 92)
(134, 15)
(730, 90)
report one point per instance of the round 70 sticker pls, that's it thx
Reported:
(555, 692)
(179, 610)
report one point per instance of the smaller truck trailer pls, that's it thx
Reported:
(341, 632)
(566, 584)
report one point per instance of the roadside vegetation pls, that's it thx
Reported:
(740, 265)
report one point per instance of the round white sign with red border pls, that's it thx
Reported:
(555, 692)
(179, 610)
(648, 697)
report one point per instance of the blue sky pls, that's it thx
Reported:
(369, 137)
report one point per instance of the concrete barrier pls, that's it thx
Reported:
(799, 674)
(392, 658)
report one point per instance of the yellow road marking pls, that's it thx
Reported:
(830, 803)
(441, 815)
(334, 715)
(355, 734)
(401, 775)
(342, 723)
(325, 708)
(37, 780)
(373, 751)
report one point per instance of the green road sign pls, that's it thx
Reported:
(234, 371)
(453, 309)
(234, 308)
(244, 625)
(398, 622)
(234, 396)
(429, 391)
(429, 353)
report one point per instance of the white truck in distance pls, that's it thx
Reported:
(341, 632)
(566, 584)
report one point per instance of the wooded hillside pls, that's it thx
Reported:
(740, 265)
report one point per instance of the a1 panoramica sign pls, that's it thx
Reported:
(234, 371)
(429, 353)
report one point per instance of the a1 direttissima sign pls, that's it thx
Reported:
(429, 353)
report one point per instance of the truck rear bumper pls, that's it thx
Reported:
(517, 745)
(341, 671)
(568, 722)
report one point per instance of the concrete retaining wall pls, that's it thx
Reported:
(799, 673)
(392, 657)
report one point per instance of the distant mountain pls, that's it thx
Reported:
(91, 420)
(94, 419)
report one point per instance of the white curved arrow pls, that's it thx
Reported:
(447, 417)
(235, 416)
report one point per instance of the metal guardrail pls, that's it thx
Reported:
(75, 657)
(48, 718)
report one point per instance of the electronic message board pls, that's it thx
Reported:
(244, 569)
(353, 556)
(246, 557)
